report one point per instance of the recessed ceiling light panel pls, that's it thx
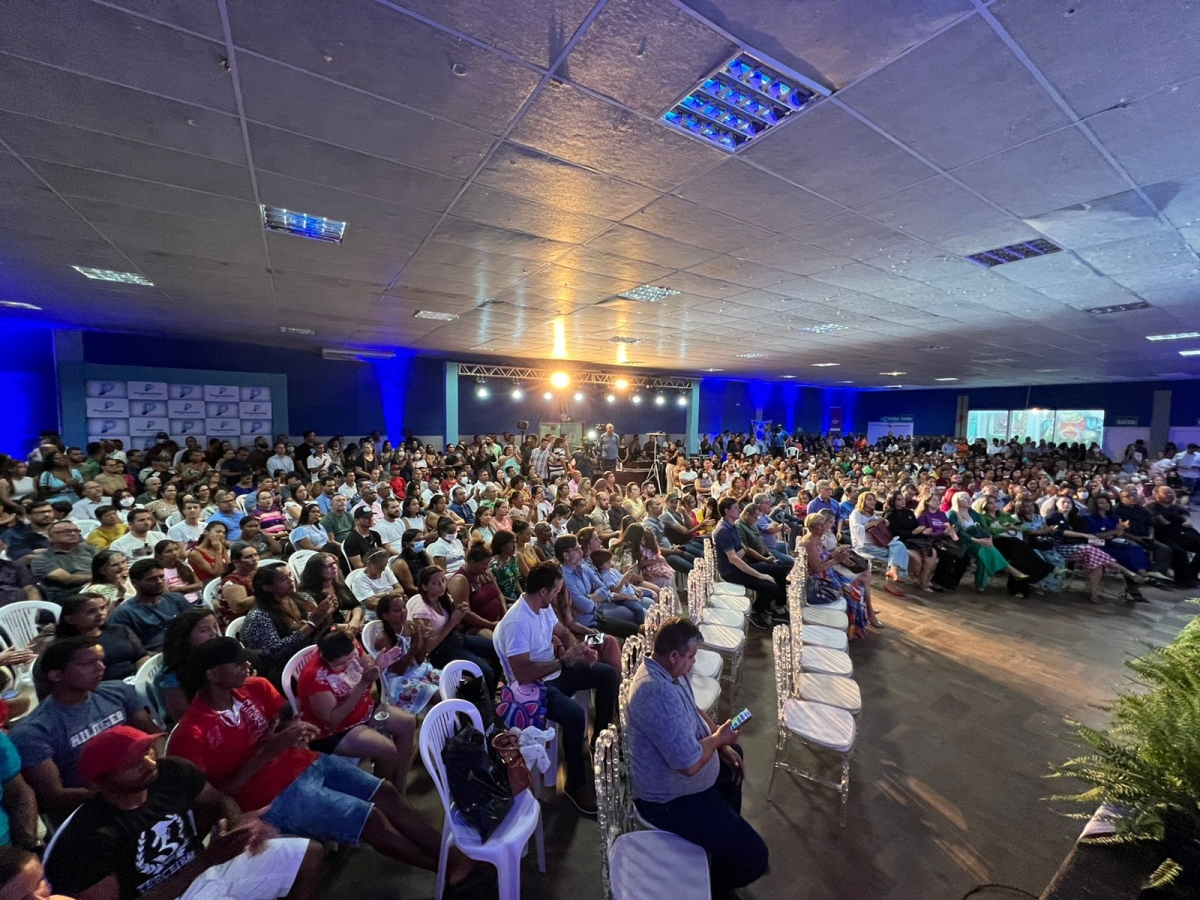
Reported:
(432, 314)
(714, 370)
(16, 304)
(1179, 336)
(821, 329)
(287, 329)
(110, 275)
(289, 221)
(945, 379)
(825, 365)
(1014, 253)
(738, 103)
(750, 355)
(648, 293)
(893, 374)
(1120, 307)
(624, 339)
(1189, 352)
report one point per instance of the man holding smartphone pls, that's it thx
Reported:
(686, 770)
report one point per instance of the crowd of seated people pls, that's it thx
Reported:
(527, 558)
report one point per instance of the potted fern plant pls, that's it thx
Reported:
(1147, 763)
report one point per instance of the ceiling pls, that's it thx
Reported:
(505, 163)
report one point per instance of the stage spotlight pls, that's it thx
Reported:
(621, 384)
(659, 399)
(560, 380)
(592, 434)
(682, 401)
(482, 392)
(517, 393)
(611, 398)
(579, 396)
(547, 396)
(637, 398)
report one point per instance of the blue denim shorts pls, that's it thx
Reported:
(330, 801)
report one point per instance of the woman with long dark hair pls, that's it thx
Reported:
(110, 577)
(86, 615)
(282, 620)
(447, 638)
(322, 580)
(209, 559)
(189, 629)
(180, 577)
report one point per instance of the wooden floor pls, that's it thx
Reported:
(964, 697)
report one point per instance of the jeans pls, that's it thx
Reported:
(679, 562)
(712, 819)
(618, 619)
(569, 715)
(471, 647)
(1192, 485)
(781, 556)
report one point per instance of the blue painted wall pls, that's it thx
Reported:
(28, 384)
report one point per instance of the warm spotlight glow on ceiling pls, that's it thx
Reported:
(560, 341)
(621, 384)
(560, 380)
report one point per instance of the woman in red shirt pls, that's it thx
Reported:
(335, 694)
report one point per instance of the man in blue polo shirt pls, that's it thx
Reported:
(590, 597)
(228, 514)
(824, 502)
(768, 598)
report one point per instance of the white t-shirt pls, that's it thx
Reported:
(365, 586)
(186, 534)
(522, 630)
(137, 548)
(451, 550)
(1187, 464)
(390, 532)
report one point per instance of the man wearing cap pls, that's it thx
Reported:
(141, 835)
(362, 538)
(81, 705)
(233, 730)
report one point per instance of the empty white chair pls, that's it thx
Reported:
(86, 526)
(144, 682)
(823, 617)
(452, 676)
(707, 691)
(505, 845)
(708, 663)
(54, 837)
(209, 595)
(832, 690)
(818, 726)
(822, 636)
(291, 673)
(235, 627)
(370, 634)
(18, 620)
(729, 618)
(730, 643)
(298, 560)
(647, 864)
(823, 661)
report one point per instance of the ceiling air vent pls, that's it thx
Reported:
(739, 102)
(1120, 307)
(1014, 253)
(623, 339)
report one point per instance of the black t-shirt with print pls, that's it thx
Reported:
(143, 847)
(357, 545)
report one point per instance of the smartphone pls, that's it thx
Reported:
(594, 640)
(740, 719)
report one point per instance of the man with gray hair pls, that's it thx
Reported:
(686, 770)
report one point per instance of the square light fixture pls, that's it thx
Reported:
(750, 355)
(929, 347)
(1014, 253)
(893, 385)
(110, 275)
(893, 374)
(821, 329)
(431, 314)
(1173, 337)
(787, 376)
(624, 339)
(1046, 371)
(287, 329)
(289, 221)
(738, 103)
(1189, 352)
(825, 365)
(1120, 307)
(17, 304)
(945, 379)
(648, 293)
(713, 370)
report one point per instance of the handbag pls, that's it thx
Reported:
(508, 747)
(947, 547)
(820, 591)
(478, 786)
(522, 705)
(880, 534)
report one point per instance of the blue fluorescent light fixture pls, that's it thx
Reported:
(288, 221)
(110, 275)
(738, 103)
(1014, 253)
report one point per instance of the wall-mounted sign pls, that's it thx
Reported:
(895, 418)
(1125, 420)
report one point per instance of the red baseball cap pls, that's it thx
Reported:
(110, 750)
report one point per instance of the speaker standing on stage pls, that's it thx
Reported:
(609, 446)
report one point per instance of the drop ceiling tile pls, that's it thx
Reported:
(789, 256)
(80, 36)
(924, 266)
(287, 154)
(854, 235)
(752, 195)
(536, 176)
(483, 284)
(966, 96)
(683, 221)
(827, 150)
(645, 54)
(491, 207)
(945, 214)
(641, 245)
(692, 284)
(588, 259)
(863, 278)
(40, 141)
(281, 97)
(1056, 170)
(438, 253)
(1139, 254)
(497, 240)
(1156, 46)
(390, 54)
(1154, 138)
(1120, 216)
(574, 126)
(831, 42)
(743, 272)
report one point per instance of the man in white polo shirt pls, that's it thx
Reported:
(524, 641)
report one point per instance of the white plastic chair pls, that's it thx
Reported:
(86, 526)
(291, 673)
(144, 682)
(50, 844)
(452, 676)
(209, 595)
(645, 864)
(18, 620)
(297, 561)
(504, 847)
(235, 627)
(370, 634)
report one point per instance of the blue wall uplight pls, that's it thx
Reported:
(27, 384)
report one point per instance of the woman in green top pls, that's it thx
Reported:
(505, 567)
(1006, 531)
(979, 546)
